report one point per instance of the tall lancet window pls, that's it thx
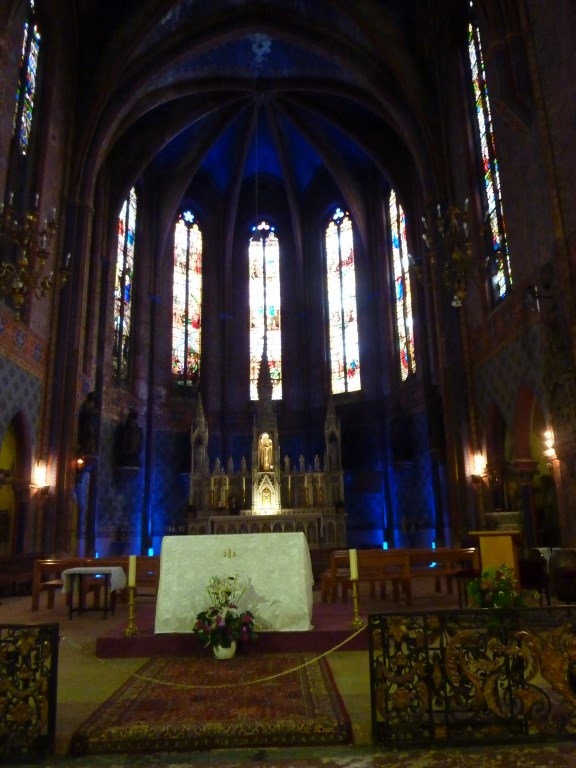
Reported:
(187, 301)
(28, 81)
(403, 295)
(265, 317)
(499, 260)
(123, 289)
(341, 291)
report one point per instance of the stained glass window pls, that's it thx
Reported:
(341, 291)
(187, 301)
(123, 289)
(499, 262)
(27, 84)
(403, 295)
(265, 315)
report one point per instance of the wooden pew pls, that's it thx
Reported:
(335, 575)
(378, 566)
(442, 563)
(375, 567)
(47, 577)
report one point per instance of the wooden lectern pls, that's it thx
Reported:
(499, 548)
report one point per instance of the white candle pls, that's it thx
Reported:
(353, 564)
(132, 571)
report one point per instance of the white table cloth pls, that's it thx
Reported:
(117, 575)
(276, 566)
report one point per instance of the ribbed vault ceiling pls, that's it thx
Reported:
(230, 88)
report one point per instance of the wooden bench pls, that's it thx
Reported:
(442, 563)
(333, 576)
(378, 566)
(16, 573)
(47, 577)
(375, 567)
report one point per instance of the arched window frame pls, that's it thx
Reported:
(124, 275)
(28, 81)
(187, 302)
(265, 306)
(402, 288)
(500, 273)
(342, 306)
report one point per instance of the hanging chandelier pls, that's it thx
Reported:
(452, 250)
(24, 245)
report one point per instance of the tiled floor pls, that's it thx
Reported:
(84, 681)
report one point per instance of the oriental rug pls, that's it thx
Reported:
(177, 704)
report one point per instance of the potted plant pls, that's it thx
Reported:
(224, 623)
(496, 587)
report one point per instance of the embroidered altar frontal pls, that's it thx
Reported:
(185, 704)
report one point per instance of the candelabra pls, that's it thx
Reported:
(454, 240)
(131, 628)
(25, 244)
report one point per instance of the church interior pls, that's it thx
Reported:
(286, 266)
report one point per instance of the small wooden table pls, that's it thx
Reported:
(113, 577)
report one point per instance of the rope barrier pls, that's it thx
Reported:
(184, 686)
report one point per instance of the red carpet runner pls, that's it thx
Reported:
(198, 703)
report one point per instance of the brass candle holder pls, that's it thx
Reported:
(357, 622)
(131, 628)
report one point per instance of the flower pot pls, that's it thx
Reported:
(224, 653)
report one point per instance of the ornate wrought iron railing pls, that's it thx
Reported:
(473, 676)
(28, 690)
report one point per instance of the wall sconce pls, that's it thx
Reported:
(25, 252)
(549, 452)
(478, 467)
(39, 478)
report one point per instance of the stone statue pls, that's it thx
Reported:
(129, 441)
(243, 465)
(317, 467)
(88, 426)
(287, 464)
(302, 463)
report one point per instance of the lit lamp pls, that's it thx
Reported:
(23, 271)
(478, 467)
(549, 451)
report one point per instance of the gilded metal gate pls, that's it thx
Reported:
(473, 676)
(28, 689)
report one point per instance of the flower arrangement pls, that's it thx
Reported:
(496, 587)
(223, 621)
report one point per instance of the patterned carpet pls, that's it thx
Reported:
(271, 700)
(550, 756)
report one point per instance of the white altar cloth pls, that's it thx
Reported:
(276, 566)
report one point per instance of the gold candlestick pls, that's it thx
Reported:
(357, 622)
(131, 629)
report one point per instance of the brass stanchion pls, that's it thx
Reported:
(131, 629)
(357, 622)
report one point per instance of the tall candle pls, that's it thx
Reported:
(132, 571)
(353, 564)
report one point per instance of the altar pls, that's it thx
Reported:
(276, 567)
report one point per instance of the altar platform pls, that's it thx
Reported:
(331, 626)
